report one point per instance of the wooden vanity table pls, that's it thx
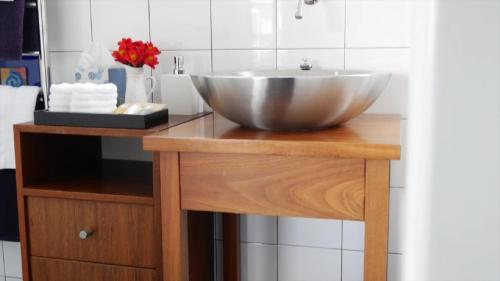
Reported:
(85, 218)
(210, 164)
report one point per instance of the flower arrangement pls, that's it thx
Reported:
(136, 53)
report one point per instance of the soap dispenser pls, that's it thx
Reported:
(178, 91)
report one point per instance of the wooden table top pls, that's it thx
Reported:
(367, 136)
(174, 120)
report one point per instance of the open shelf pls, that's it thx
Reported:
(72, 167)
(112, 180)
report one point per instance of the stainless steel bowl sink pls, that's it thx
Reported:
(290, 100)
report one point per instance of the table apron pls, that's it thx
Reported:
(315, 187)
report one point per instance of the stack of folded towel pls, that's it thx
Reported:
(83, 97)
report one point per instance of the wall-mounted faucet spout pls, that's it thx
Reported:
(300, 6)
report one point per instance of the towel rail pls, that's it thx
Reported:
(30, 5)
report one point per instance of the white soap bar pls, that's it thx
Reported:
(180, 95)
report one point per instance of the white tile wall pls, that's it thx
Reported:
(12, 259)
(321, 27)
(311, 264)
(262, 34)
(398, 168)
(393, 99)
(310, 232)
(352, 265)
(180, 25)
(378, 23)
(131, 17)
(320, 58)
(258, 262)
(353, 237)
(244, 24)
(258, 229)
(224, 60)
(69, 25)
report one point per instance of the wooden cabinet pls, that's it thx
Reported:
(212, 164)
(114, 233)
(85, 218)
(44, 269)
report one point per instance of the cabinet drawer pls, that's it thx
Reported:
(273, 185)
(121, 234)
(46, 269)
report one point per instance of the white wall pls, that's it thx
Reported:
(453, 221)
(263, 34)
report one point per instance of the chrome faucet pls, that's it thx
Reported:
(306, 64)
(300, 6)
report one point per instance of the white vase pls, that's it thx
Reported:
(136, 85)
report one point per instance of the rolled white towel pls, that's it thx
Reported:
(61, 88)
(59, 104)
(90, 88)
(67, 97)
(92, 103)
(96, 97)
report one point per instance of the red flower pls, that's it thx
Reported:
(136, 53)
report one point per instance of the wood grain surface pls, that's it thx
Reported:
(273, 185)
(366, 137)
(123, 234)
(174, 221)
(376, 220)
(46, 269)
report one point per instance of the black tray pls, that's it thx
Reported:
(94, 120)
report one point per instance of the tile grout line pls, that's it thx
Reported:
(150, 40)
(276, 34)
(309, 247)
(263, 49)
(341, 248)
(91, 22)
(3, 261)
(345, 32)
(277, 245)
(342, 221)
(211, 39)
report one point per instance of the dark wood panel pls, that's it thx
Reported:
(273, 185)
(45, 156)
(232, 248)
(46, 269)
(123, 234)
(113, 180)
(201, 246)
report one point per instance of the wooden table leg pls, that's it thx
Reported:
(376, 219)
(174, 221)
(231, 234)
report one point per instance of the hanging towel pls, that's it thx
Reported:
(11, 29)
(16, 106)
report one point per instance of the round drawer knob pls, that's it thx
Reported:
(84, 234)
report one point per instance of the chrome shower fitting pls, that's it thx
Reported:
(300, 6)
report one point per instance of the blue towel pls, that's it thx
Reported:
(9, 227)
(11, 29)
